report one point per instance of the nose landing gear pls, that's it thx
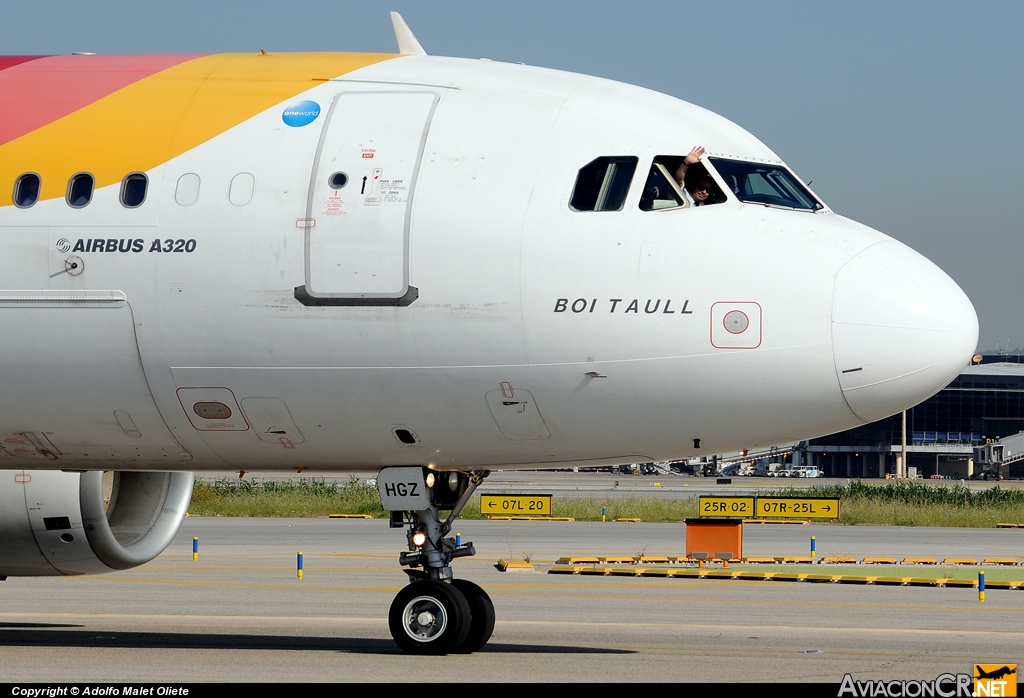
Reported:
(435, 613)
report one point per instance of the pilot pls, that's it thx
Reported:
(703, 190)
(692, 159)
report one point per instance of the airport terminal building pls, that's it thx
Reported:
(984, 403)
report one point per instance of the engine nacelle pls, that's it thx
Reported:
(63, 523)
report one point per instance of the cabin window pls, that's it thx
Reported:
(242, 185)
(602, 184)
(761, 183)
(26, 190)
(133, 190)
(80, 190)
(186, 192)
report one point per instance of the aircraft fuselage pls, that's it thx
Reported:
(445, 305)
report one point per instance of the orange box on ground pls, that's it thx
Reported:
(714, 539)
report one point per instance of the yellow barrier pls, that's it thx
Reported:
(694, 573)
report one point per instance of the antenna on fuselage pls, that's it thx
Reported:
(407, 43)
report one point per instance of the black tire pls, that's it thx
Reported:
(429, 617)
(481, 616)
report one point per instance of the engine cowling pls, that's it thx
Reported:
(68, 523)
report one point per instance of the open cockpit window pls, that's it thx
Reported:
(662, 191)
(674, 184)
(770, 185)
(602, 184)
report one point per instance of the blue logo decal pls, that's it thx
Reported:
(301, 113)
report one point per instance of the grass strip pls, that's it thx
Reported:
(895, 504)
(919, 493)
(645, 507)
(308, 497)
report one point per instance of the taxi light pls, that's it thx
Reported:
(419, 538)
(430, 480)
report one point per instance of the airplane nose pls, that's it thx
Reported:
(901, 330)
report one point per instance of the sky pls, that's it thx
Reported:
(906, 116)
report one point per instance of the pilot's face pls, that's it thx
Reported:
(702, 191)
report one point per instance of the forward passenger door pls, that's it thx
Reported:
(360, 198)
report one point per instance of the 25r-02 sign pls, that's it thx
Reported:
(727, 506)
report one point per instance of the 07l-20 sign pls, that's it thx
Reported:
(515, 504)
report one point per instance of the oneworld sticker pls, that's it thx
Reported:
(301, 113)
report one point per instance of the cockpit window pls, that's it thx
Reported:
(602, 184)
(674, 183)
(662, 191)
(771, 185)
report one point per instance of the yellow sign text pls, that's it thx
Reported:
(727, 506)
(515, 504)
(821, 508)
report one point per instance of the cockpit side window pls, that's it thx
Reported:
(602, 184)
(662, 191)
(674, 184)
(761, 183)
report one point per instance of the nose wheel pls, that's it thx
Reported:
(429, 617)
(481, 615)
(433, 617)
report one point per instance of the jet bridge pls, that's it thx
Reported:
(992, 457)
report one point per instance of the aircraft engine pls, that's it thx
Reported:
(65, 523)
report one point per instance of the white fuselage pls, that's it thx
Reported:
(521, 347)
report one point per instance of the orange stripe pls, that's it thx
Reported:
(160, 117)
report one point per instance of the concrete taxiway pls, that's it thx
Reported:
(240, 613)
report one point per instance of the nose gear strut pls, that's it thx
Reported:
(436, 613)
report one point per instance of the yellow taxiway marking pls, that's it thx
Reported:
(200, 567)
(207, 551)
(296, 584)
(536, 590)
(764, 628)
(526, 590)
